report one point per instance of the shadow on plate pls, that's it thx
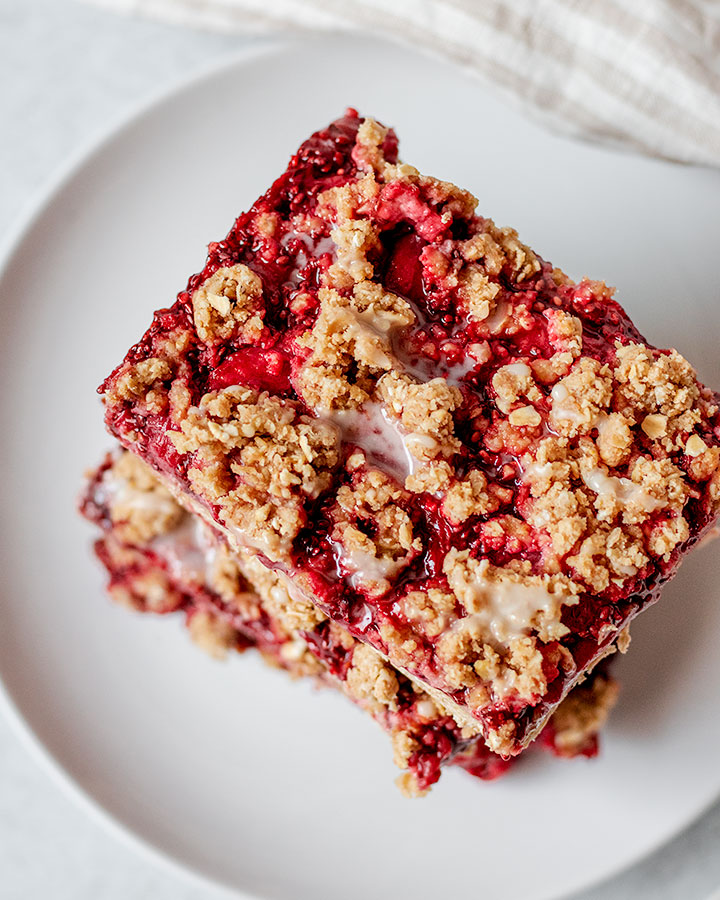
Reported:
(657, 669)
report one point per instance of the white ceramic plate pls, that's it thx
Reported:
(231, 770)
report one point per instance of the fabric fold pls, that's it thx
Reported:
(644, 77)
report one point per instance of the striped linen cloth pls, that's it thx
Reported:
(643, 74)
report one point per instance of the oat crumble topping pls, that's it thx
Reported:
(256, 457)
(229, 306)
(578, 720)
(140, 507)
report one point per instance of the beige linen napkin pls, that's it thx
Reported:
(636, 73)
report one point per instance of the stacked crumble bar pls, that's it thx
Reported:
(163, 560)
(438, 448)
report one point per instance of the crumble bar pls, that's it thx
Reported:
(160, 559)
(474, 464)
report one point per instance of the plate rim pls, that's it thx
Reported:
(30, 213)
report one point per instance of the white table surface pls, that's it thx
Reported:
(67, 72)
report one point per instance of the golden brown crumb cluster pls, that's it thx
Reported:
(155, 385)
(212, 634)
(495, 648)
(229, 306)
(372, 502)
(371, 679)
(224, 575)
(257, 458)
(144, 383)
(469, 497)
(352, 334)
(595, 518)
(425, 411)
(583, 713)
(510, 598)
(430, 611)
(284, 603)
(140, 507)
